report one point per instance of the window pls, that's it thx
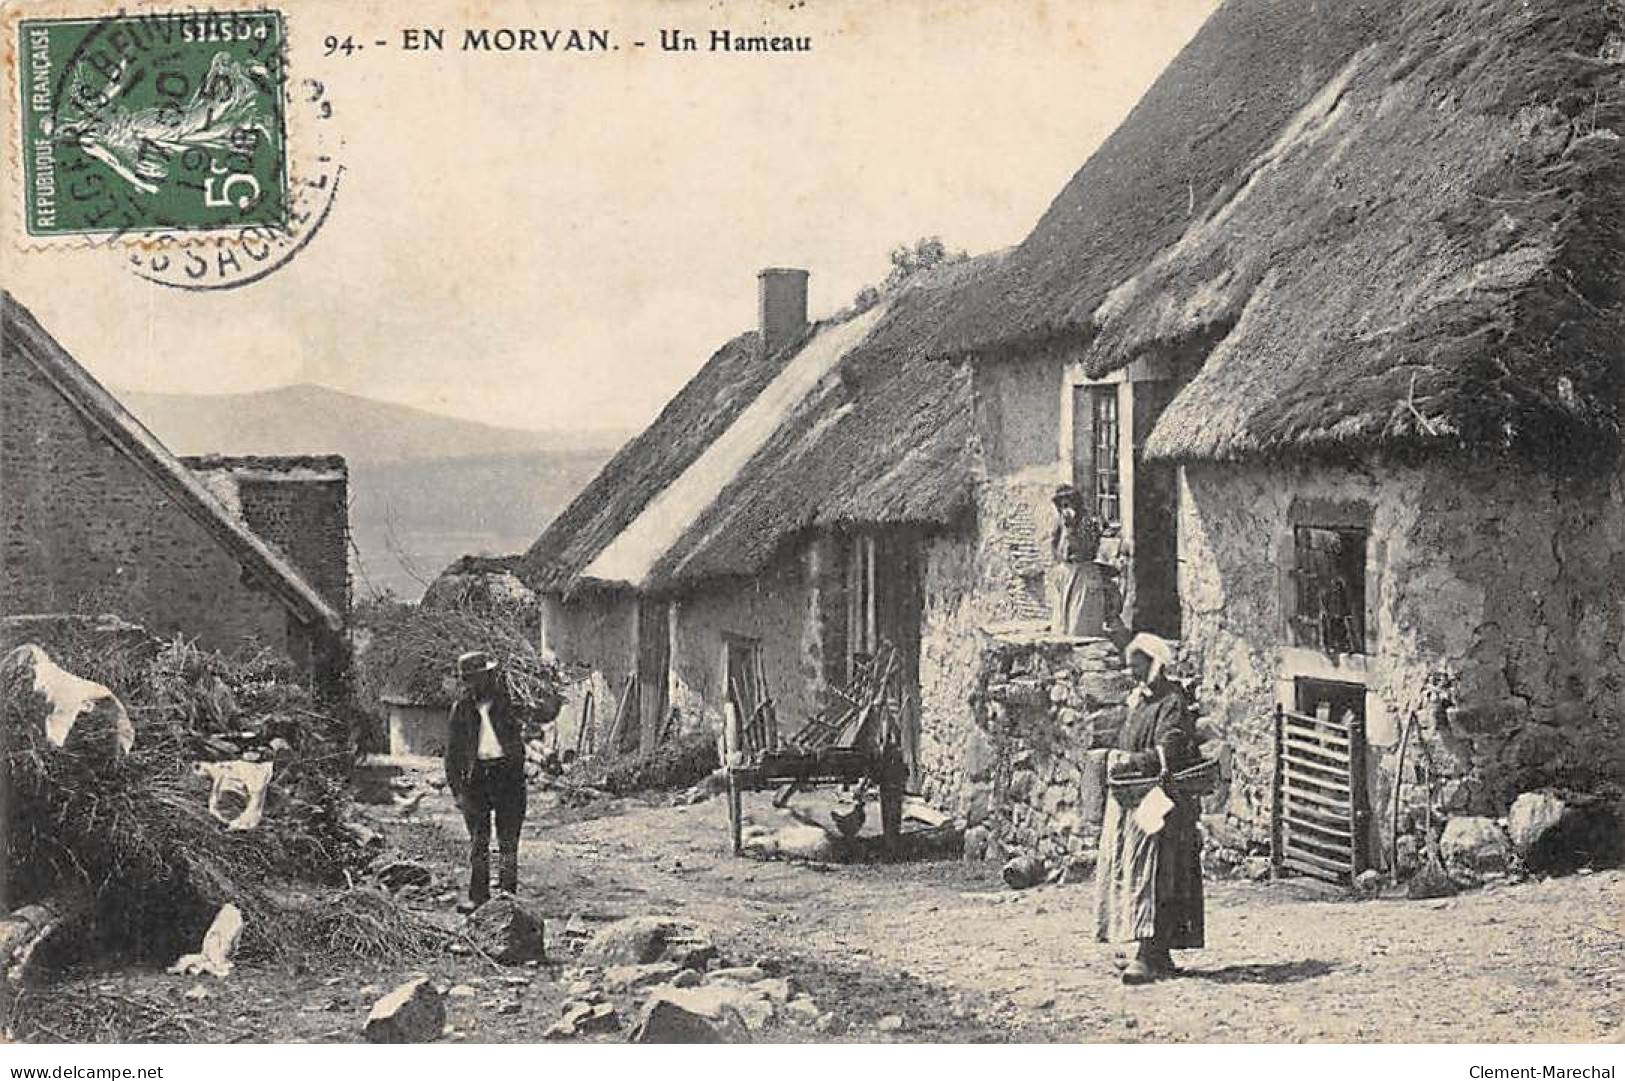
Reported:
(1103, 411)
(1329, 569)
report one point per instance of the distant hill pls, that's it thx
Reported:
(410, 520)
(424, 488)
(310, 419)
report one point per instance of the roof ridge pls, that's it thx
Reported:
(149, 453)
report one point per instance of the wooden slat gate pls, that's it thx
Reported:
(1320, 818)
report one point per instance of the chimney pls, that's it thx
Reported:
(781, 294)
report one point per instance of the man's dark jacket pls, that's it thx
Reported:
(463, 738)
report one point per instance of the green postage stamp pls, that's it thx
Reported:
(153, 121)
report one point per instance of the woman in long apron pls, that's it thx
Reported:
(1149, 885)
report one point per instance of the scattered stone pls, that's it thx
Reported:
(687, 977)
(517, 981)
(890, 1023)
(412, 1013)
(1368, 881)
(579, 988)
(804, 1010)
(777, 990)
(509, 1007)
(507, 930)
(1022, 872)
(740, 973)
(633, 977)
(664, 1021)
(691, 950)
(1257, 868)
(197, 993)
(462, 990)
(830, 1024)
(1475, 843)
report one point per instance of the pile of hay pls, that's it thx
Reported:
(133, 832)
(411, 652)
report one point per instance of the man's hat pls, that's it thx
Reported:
(474, 662)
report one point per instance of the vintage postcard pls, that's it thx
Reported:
(823, 522)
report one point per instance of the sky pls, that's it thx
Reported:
(557, 241)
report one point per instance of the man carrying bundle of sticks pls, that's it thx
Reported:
(485, 769)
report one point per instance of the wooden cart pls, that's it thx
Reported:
(858, 741)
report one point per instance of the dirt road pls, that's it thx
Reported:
(959, 956)
(953, 954)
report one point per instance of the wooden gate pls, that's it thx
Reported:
(1320, 814)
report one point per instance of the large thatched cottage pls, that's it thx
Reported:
(1355, 272)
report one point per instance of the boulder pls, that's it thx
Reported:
(507, 930)
(664, 1021)
(637, 940)
(721, 1003)
(1475, 843)
(1554, 831)
(412, 1013)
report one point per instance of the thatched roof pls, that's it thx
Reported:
(1426, 254)
(1250, 67)
(882, 437)
(729, 382)
(886, 440)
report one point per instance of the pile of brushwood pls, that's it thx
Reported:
(677, 763)
(410, 651)
(133, 832)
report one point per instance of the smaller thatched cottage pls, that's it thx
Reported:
(787, 512)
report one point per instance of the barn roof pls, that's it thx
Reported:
(23, 336)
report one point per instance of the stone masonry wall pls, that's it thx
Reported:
(84, 529)
(1496, 604)
(1045, 703)
(297, 505)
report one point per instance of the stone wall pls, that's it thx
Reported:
(1044, 703)
(299, 505)
(776, 609)
(83, 528)
(1495, 608)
